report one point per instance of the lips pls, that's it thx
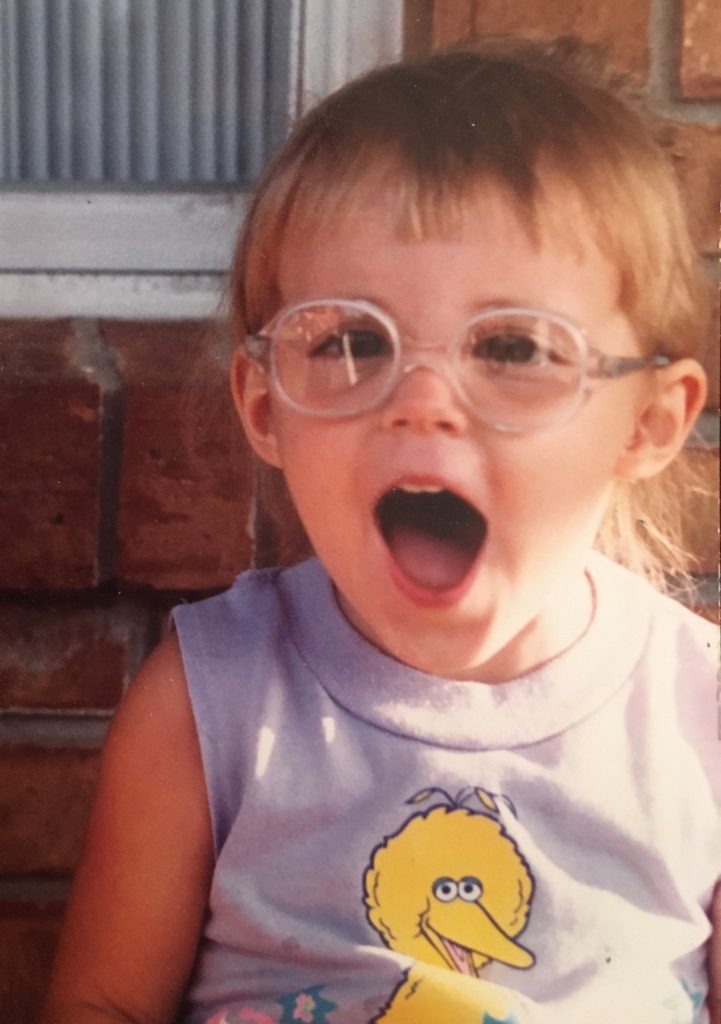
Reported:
(433, 535)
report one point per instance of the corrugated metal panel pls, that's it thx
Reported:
(339, 39)
(141, 91)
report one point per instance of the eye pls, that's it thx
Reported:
(510, 347)
(470, 889)
(445, 889)
(355, 342)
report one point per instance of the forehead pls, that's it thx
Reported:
(392, 246)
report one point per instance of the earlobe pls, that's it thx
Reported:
(249, 386)
(664, 421)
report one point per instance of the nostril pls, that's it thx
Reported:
(427, 423)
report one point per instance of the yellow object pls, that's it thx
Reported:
(452, 890)
(431, 995)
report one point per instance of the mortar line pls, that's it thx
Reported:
(706, 431)
(34, 890)
(83, 731)
(98, 358)
(665, 36)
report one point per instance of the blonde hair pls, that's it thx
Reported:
(430, 133)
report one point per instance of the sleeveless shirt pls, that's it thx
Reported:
(391, 846)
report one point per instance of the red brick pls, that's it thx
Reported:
(417, 27)
(700, 50)
(621, 28)
(28, 937)
(701, 513)
(695, 150)
(58, 657)
(186, 484)
(49, 453)
(45, 798)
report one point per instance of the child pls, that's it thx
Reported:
(458, 767)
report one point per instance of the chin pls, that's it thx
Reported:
(440, 651)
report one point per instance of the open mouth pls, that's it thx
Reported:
(461, 957)
(433, 534)
(458, 957)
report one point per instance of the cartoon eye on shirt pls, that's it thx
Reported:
(451, 889)
(468, 889)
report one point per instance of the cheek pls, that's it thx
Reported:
(546, 483)
(316, 463)
(304, 443)
(592, 443)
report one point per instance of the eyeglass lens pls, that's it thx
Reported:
(515, 369)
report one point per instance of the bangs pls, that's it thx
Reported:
(419, 207)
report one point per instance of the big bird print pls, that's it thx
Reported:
(451, 889)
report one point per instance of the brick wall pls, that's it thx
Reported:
(124, 487)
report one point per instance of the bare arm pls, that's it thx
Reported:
(141, 890)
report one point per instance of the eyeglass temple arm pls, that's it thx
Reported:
(256, 346)
(619, 366)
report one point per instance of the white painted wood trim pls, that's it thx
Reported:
(341, 39)
(96, 231)
(113, 296)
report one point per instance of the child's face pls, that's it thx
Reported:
(522, 596)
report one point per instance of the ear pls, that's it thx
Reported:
(664, 420)
(250, 387)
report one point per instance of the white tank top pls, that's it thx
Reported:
(396, 847)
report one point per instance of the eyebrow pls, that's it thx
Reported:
(495, 302)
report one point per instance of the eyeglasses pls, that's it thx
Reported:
(514, 369)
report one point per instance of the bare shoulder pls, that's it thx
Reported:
(141, 889)
(156, 709)
(153, 744)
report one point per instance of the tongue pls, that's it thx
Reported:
(437, 563)
(460, 956)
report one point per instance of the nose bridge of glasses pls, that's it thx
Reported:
(433, 358)
(435, 398)
(436, 357)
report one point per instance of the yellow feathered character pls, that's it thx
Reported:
(452, 890)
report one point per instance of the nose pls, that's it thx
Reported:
(424, 402)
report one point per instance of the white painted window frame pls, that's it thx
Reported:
(164, 253)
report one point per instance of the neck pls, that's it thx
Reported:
(564, 620)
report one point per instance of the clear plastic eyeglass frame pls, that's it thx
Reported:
(591, 364)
